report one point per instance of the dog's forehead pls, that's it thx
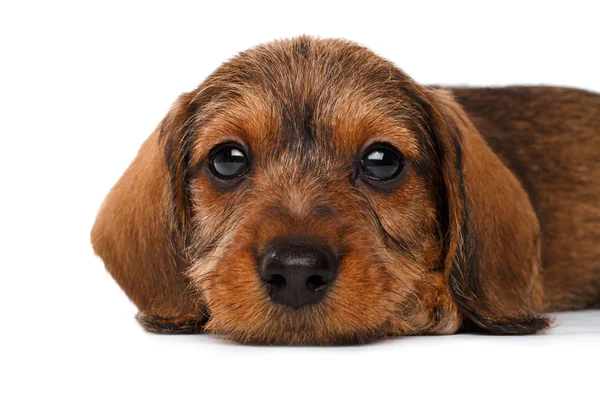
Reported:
(305, 94)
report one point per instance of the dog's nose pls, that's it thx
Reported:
(297, 274)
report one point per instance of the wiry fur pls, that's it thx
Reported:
(455, 244)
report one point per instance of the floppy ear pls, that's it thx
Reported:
(141, 227)
(493, 237)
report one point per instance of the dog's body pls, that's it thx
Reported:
(549, 138)
(310, 192)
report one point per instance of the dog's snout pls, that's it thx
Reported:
(297, 274)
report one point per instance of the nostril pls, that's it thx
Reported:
(296, 273)
(277, 281)
(315, 283)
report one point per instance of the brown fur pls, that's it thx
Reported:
(496, 219)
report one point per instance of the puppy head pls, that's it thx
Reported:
(310, 192)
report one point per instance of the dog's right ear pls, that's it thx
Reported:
(141, 228)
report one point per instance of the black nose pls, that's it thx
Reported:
(297, 274)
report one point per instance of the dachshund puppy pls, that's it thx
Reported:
(311, 192)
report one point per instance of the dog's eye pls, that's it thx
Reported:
(382, 163)
(229, 161)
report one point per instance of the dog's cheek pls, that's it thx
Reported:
(357, 301)
(433, 311)
(214, 214)
(236, 299)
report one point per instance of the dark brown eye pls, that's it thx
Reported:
(382, 162)
(229, 161)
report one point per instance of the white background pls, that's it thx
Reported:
(82, 85)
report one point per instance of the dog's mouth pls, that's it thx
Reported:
(296, 305)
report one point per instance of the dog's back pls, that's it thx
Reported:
(550, 138)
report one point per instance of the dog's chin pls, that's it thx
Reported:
(273, 333)
(266, 323)
(337, 320)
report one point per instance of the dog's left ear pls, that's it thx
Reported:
(493, 238)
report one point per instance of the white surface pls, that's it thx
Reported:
(82, 85)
